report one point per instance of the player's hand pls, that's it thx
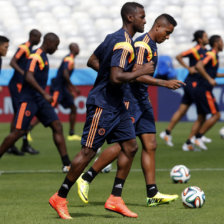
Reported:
(77, 91)
(1, 88)
(192, 70)
(174, 84)
(212, 82)
(48, 97)
(149, 67)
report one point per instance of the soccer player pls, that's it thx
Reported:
(4, 45)
(140, 109)
(107, 118)
(62, 88)
(205, 100)
(34, 101)
(18, 62)
(194, 55)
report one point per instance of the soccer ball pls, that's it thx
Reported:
(180, 174)
(221, 132)
(193, 197)
(107, 169)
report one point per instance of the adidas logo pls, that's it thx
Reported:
(65, 186)
(118, 186)
(90, 173)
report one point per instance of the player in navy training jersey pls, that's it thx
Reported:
(4, 45)
(18, 62)
(194, 55)
(34, 101)
(62, 88)
(136, 99)
(107, 118)
(205, 100)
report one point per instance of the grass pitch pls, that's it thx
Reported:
(27, 182)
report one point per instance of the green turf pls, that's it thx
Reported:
(24, 196)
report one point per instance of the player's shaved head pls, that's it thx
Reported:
(51, 37)
(34, 36)
(213, 39)
(164, 20)
(51, 42)
(34, 32)
(74, 48)
(129, 8)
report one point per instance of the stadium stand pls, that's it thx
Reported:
(87, 22)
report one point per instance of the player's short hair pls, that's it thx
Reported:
(167, 17)
(34, 32)
(198, 35)
(129, 8)
(4, 39)
(213, 39)
(50, 37)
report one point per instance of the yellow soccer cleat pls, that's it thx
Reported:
(160, 198)
(29, 138)
(83, 189)
(74, 138)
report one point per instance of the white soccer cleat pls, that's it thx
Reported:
(200, 144)
(206, 140)
(188, 147)
(166, 138)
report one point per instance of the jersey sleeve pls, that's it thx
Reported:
(123, 54)
(186, 53)
(19, 53)
(207, 58)
(68, 63)
(143, 52)
(35, 62)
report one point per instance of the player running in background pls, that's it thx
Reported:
(62, 88)
(34, 101)
(18, 62)
(194, 55)
(107, 118)
(140, 110)
(205, 100)
(4, 45)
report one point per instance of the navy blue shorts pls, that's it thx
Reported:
(205, 101)
(189, 93)
(62, 97)
(15, 97)
(27, 110)
(142, 117)
(102, 125)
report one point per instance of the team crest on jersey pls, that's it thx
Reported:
(27, 113)
(132, 120)
(101, 131)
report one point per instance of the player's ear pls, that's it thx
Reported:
(130, 18)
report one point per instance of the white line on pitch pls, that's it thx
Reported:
(132, 170)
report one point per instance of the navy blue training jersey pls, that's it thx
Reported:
(38, 64)
(22, 54)
(211, 64)
(67, 64)
(146, 51)
(194, 54)
(117, 50)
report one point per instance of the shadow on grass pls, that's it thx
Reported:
(84, 214)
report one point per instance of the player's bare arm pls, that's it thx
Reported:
(93, 62)
(119, 76)
(147, 79)
(32, 81)
(200, 67)
(191, 70)
(14, 64)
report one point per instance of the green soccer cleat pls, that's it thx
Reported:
(83, 189)
(160, 198)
